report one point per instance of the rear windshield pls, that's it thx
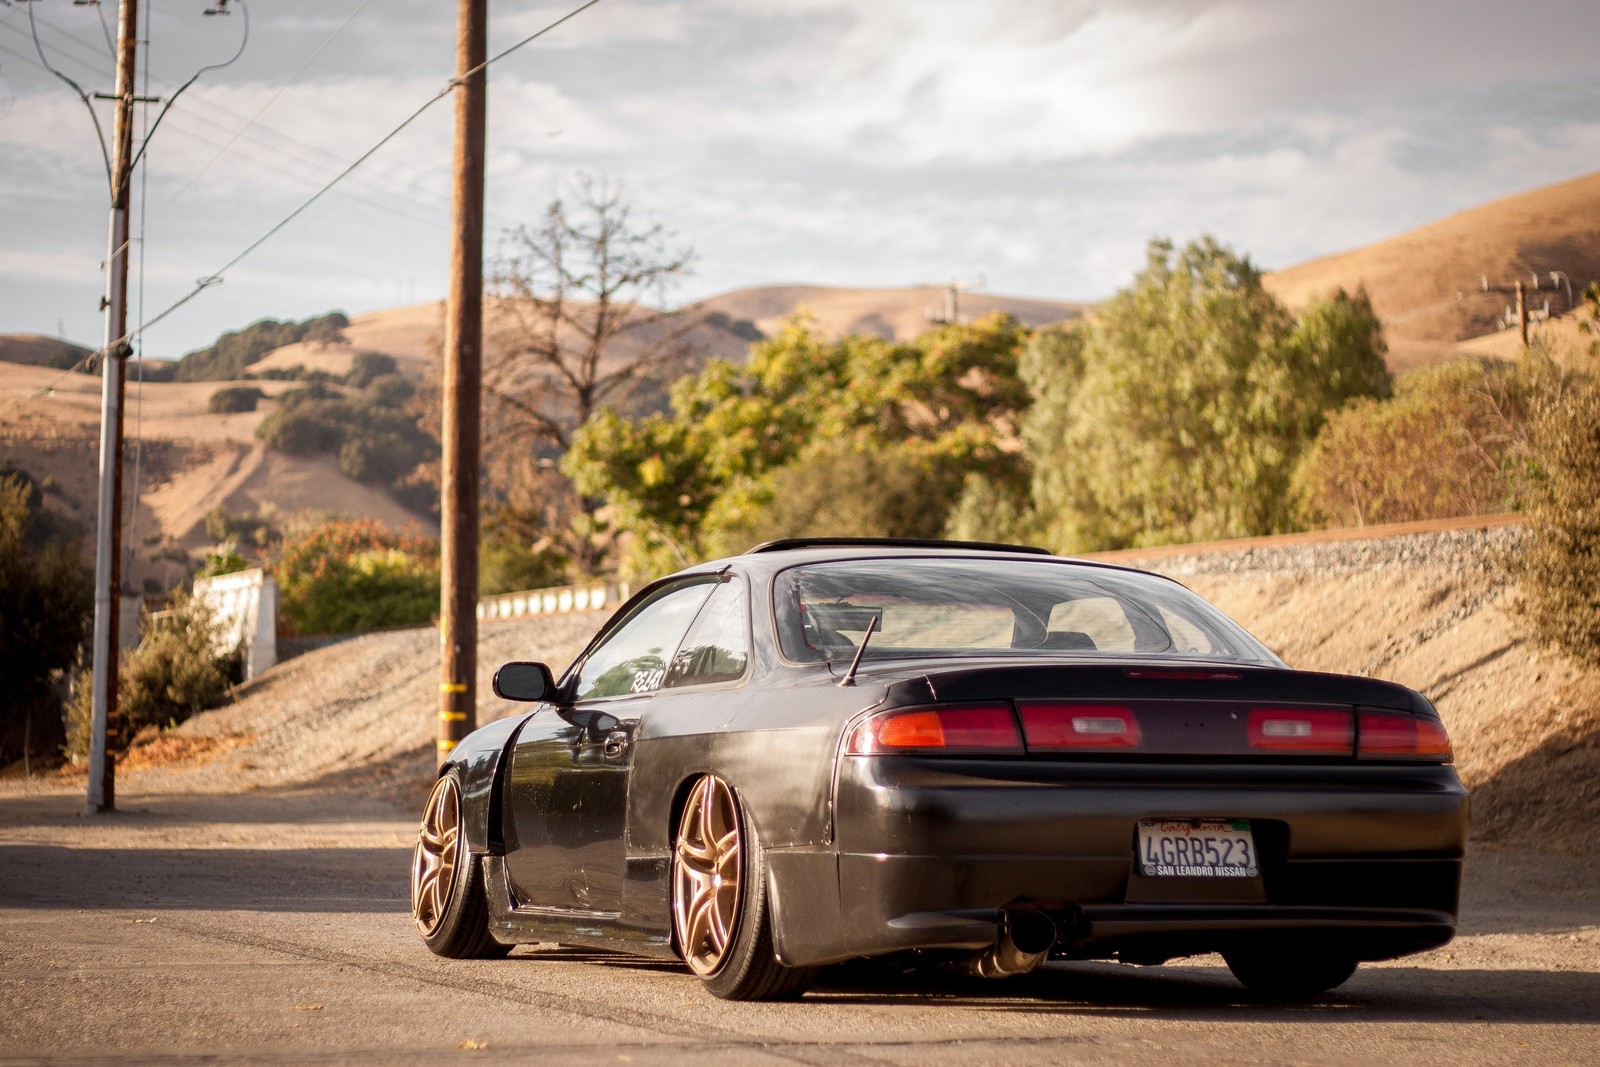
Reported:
(945, 607)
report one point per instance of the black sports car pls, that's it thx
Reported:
(980, 756)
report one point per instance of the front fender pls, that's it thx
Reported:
(479, 757)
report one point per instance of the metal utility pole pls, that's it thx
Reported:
(108, 534)
(463, 376)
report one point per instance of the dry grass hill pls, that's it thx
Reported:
(1424, 284)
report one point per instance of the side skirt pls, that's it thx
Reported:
(514, 924)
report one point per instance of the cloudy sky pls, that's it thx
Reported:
(1035, 143)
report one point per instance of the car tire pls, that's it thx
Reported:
(447, 897)
(721, 917)
(1287, 972)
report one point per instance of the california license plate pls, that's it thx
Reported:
(1196, 848)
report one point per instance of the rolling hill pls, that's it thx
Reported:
(1426, 283)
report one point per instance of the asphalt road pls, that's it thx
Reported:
(272, 927)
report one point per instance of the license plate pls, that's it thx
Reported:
(1196, 848)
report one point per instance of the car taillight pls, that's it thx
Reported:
(1383, 735)
(1304, 730)
(972, 728)
(1077, 726)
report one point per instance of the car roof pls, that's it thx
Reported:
(771, 556)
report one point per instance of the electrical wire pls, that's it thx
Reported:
(173, 99)
(105, 28)
(129, 539)
(277, 143)
(100, 132)
(272, 99)
(216, 277)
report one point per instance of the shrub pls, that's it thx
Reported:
(175, 671)
(233, 399)
(46, 601)
(224, 527)
(344, 575)
(365, 366)
(1453, 441)
(1559, 562)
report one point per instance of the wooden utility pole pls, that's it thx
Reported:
(1522, 312)
(463, 376)
(108, 534)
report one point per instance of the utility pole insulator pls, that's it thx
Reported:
(462, 394)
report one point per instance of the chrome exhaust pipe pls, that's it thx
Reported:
(1024, 940)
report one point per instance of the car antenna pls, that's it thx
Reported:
(849, 678)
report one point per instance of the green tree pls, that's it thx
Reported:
(856, 436)
(1454, 440)
(1197, 395)
(1559, 562)
(234, 351)
(46, 600)
(344, 575)
(234, 398)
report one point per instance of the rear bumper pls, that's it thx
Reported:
(929, 855)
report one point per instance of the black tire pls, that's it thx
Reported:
(447, 897)
(1288, 971)
(724, 933)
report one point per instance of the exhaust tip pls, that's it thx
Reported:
(1032, 932)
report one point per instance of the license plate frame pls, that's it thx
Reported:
(1212, 849)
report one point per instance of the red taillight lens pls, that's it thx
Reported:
(980, 728)
(1074, 726)
(1304, 730)
(1393, 736)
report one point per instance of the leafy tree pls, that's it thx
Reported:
(526, 529)
(344, 575)
(1454, 440)
(228, 357)
(235, 398)
(365, 366)
(1197, 394)
(373, 434)
(860, 436)
(1051, 368)
(46, 601)
(1559, 564)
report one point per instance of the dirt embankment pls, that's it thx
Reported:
(1434, 611)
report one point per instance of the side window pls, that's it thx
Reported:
(633, 659)
(718, 647)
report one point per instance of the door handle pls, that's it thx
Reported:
(616, 744)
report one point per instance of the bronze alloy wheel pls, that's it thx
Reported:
(707, 865)
(433, 867)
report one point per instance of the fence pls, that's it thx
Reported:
(591, 596)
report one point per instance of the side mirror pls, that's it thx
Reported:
(523, 681)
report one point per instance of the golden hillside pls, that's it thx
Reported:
(1426, 283)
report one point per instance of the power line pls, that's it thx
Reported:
(277, 142)
(296, 150)
(100, 134)
(216, 277)
(272, 99)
